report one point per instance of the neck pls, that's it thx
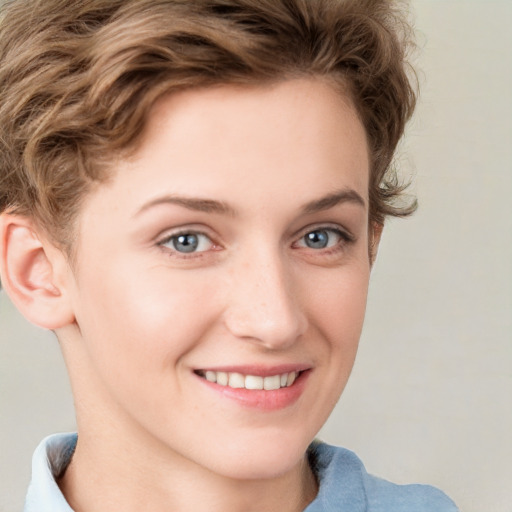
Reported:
(96, 481)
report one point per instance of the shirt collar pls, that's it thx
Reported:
(339, 473)
(50, 460)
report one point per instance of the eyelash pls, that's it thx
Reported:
(344, 239)
(169, 239)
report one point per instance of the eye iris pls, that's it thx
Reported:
(185, 243)
(317, 239)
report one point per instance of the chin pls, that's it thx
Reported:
(259, 460)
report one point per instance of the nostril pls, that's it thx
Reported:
(272, 330)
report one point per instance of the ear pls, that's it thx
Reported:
(33, 273)
(375, 235)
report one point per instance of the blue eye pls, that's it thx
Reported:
(187, 243)
(323, 238)
(317, 239)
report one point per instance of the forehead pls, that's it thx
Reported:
(299, 138)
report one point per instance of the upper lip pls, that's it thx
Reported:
(257, 370)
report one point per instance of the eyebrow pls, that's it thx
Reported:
(334, 199)
(192, 203)
(220, 207)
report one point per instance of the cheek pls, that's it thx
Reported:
(336, 305)
(139, 323)
(339, 304)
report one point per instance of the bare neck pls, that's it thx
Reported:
(97, 482)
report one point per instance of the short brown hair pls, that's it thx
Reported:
(77, 80)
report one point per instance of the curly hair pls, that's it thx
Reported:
(77, 80)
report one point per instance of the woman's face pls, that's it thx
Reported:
(230, 254)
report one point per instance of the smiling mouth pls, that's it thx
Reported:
(252, 382)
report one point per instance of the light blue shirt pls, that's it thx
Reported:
(344, 483)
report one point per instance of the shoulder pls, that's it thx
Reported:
(384, 495)
(345, 484)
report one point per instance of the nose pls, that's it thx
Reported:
(263, 307)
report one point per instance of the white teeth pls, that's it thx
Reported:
(222, 378)
(291, 378)
(271, 383)
(237, 380)
(253, 382)
(211, 376)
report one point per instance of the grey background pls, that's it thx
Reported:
(430, 396)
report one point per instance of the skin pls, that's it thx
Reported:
(270, 166)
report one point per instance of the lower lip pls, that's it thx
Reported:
(271, 400)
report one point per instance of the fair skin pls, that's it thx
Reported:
(232, 245)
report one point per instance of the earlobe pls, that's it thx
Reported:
(30, 269)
